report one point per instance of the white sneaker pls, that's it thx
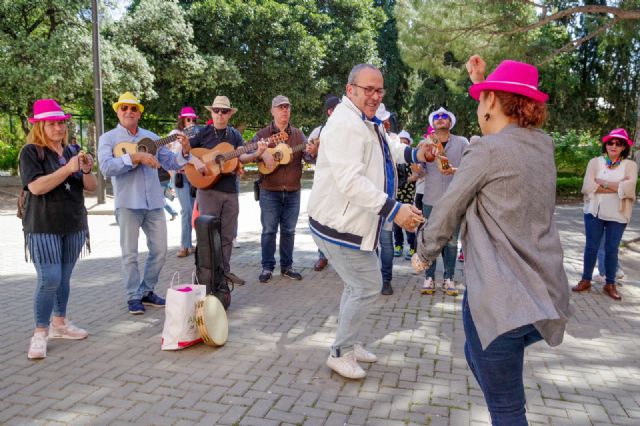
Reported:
(235, 243)
(363, 355)
(38, 346)
(449, 287)
(428, 287)
(67, 331)
(599, 278)
(346, 366)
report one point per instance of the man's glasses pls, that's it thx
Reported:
(283, 106)
(620, 144)
(441, 116)
(222, 111)
(133, 108)
(369, 90)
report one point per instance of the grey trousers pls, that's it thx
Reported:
(224, 205)
(360, 272)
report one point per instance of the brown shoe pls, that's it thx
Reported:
(610, 290)
(183, 252)
(320, 264)
(583, 285)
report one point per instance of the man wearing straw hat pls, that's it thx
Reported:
(222, 199)
(139, 200)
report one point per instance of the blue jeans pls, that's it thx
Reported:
(278, 209)
(449, 252)
(601, 270)
(167, 206)
(186, 213)
(386, 255)
(154, 226)
(54, 257)
(360, 272)
(321, 255)
(498, 369)
(398, 237)
(594, 229)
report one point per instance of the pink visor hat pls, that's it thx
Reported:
(618, 134)
(47, 110)
(512, 77)
(187, 112)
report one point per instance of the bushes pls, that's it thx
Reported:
(573, 150)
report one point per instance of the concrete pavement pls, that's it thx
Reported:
(272, 372)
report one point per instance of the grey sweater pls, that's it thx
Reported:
(504, 192)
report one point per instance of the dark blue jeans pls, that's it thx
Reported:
(594, 228)
(386, 255)
(398, 237)
(449, 251)
(278, 209)
(498, 369)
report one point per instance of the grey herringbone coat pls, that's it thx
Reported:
(504, 192)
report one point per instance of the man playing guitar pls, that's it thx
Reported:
(221, 199)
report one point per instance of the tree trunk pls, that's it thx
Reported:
(637, 138)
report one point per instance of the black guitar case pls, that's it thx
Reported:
(209, 269)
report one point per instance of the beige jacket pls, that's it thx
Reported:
(626, 190)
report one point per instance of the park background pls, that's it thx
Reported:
(173, 53)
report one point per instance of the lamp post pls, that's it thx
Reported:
(97, 88)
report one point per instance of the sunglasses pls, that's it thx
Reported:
(189, 119)
(222, 111)
(126, 108)
(620, 144)
(441, 116)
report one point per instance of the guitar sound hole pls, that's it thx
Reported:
(142, 148)
(219, 159)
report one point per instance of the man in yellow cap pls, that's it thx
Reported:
(139, 199)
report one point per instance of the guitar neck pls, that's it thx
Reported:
(299, 148)
(248, 147)
(166, 140)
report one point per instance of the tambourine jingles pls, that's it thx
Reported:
(211, 320)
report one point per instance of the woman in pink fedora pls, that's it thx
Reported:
(54, 176)
(517, 292)
(186, 118)
(609, 190)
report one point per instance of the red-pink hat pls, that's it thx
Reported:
(187, 112)
(512, 77)
(47, 110)
(429, 131)
(618, 134)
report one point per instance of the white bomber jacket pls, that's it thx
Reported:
(348, 202)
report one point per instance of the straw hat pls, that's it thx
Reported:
(130, 99)
(221, 102)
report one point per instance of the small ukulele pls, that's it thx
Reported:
(222, 159)
(441, 159)
(282, 154)
(148, 145)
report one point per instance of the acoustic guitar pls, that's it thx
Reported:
(221, 160)
(282, 154)
(148, 145)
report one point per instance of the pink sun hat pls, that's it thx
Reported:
(618, 134)
(512, 77)
(47, 110)
(187, 112)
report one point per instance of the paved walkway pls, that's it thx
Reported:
(272, 372)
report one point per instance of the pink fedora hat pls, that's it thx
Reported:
(47, 110)
(513, 77)
(188, 112)
(618, 134)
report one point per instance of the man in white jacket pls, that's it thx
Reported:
(353, 194)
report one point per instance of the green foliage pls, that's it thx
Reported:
(569, 187)
(573, 150)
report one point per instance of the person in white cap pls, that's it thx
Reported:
(280, 194)
(435, 184)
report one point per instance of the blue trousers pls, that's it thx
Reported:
(498, 369)
(594, 229)
(278, 209)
